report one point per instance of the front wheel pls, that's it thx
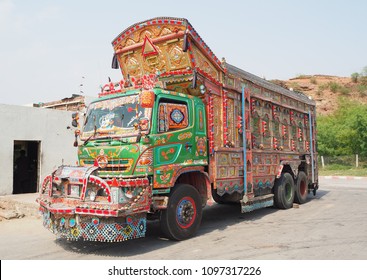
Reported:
(182, 217)
(284, 191)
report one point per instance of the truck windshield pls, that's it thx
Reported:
(117, 117)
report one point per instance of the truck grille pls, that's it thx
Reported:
(116, 165)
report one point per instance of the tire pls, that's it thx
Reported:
(182, 217)
(301, 190)
(284, 191)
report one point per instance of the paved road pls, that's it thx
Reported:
(331, 225)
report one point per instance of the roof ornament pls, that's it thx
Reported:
(149, 48)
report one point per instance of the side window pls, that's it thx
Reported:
(172, 116)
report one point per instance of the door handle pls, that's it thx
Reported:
(188, 145)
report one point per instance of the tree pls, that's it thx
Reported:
(359, 143)
(345, 131)
(354, 77)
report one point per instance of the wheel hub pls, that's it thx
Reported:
(185, 213)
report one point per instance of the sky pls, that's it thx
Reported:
(50, 50)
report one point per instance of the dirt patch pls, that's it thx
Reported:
(326, 90)
(10, 209)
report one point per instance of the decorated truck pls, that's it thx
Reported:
(180, 131)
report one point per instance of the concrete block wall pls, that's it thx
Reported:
(20, 123)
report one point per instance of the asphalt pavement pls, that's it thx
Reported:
(20, 205)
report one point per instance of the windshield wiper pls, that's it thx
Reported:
(139, 136)
(94, 133)
(123, 140)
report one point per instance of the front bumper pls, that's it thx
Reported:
(93, 228)
(75, 204)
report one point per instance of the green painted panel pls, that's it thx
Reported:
(167, 154)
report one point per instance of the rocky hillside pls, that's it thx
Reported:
(326, 90)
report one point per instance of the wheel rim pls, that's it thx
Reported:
(186, 212)
(288, 192)
(303, 187)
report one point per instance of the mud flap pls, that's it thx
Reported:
(257, 203)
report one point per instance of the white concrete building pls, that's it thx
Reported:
(43, 135)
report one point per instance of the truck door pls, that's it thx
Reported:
(180, 139)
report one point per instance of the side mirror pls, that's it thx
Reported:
(75, 121)
(76, 134)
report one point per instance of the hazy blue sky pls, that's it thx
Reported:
(46, 47)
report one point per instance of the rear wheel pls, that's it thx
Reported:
(284, 191)
(182, 217)
(301, 191)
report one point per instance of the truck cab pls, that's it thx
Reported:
(134, 147)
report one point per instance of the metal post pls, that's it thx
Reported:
(244, 142)
(357, 163)
(311, 147)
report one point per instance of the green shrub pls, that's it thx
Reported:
(322, 87)
(363, 80)
(345, 131)
(301, 76)
(362, 90)
(354, 77)
(334, 87)
(344, 90)
(295, 86)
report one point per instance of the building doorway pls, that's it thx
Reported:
(26, 166)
